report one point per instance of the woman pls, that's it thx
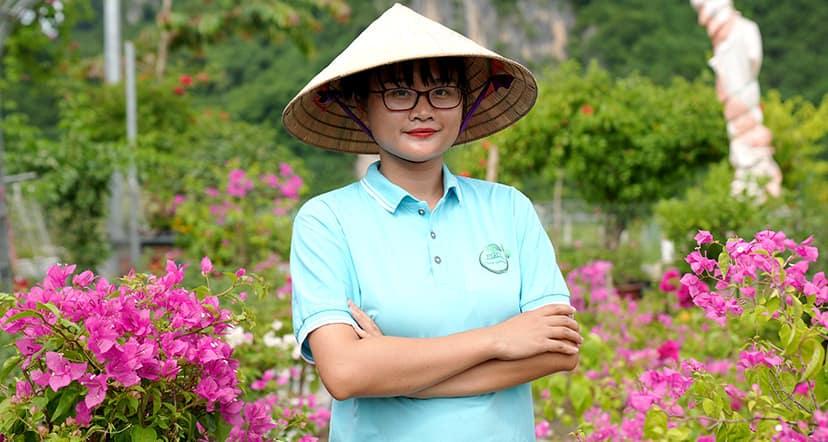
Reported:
(427, 301)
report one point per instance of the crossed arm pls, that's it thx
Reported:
(363, 362)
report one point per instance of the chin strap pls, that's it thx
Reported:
(494, 83)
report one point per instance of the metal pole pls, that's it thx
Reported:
(132, 132)
(112, 41)
(112, 75)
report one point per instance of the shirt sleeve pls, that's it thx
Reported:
(321, 273)
(541, 281)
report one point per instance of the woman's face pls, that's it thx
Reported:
(418, 135)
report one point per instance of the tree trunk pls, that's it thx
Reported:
(163, 40)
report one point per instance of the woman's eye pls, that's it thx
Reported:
(399, 93)
(442, 92)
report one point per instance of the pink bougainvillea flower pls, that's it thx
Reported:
(270, 180)
(641, 401)
(56, 276)
(806, 250)
(241, 272)
(290, 188)
(23, 390)
(820, 318)
(737, 396)
(95, 389)
(706, 438)
(669, 350)
(238, 184)
(27, 346)
(285, 169)
(63, 372)
(543, 429)
(703, 237)
(803, 388)
(669, 281)
(260, 384)
(206, 266)
(752, 358)
(40, 378)
(83, 416)
(699, 263)
(102, 334)
(212, 192)
(83, 279)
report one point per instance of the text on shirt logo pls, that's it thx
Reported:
(494, 258)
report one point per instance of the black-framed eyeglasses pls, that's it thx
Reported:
(403, 98)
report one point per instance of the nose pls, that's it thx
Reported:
(422, 109)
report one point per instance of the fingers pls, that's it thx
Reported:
(365, 322)
(562, 346)
(556, 309)
(563, 333)
(563, 321)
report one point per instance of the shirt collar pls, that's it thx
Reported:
(390, 195)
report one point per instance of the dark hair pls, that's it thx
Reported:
(356, 86)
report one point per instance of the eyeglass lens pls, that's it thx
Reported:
(442, 97)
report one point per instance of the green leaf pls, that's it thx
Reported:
(678, 434)
(580, 395)
(655, 424)
(821, 385)
(223, 429)
(814, 355)
(143, 434)
(51, 307)
(8, 366)
(21, 315)
(66, 404)
(724, 262)
(710, 408)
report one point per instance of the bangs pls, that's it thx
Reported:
(448, 70)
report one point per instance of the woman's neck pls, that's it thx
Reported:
(423, 181)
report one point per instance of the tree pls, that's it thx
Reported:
(49, 17)
(623, 144)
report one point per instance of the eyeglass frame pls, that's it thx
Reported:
(419, 94)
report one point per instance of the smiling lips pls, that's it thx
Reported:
(421, 133)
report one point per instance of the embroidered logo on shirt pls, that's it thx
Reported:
(494, 258)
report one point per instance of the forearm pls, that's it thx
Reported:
(495, 375)
(394, 366)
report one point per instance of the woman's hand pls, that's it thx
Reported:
(546, 329)
(367, 327)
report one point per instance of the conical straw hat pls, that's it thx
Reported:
(401, 34)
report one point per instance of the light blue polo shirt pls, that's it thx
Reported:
(480, 257)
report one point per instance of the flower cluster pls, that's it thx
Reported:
(742, 263)
(589, 283)
(746, 362)
(147, 337)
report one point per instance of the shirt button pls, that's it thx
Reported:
(437, 259)
(421, 212)
(433, 235)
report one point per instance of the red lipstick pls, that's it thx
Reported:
(421, 133)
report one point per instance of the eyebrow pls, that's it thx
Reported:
(401, 83)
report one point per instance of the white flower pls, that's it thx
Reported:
(236, 336)
(271, 340)
(277, 325)
(778, 427)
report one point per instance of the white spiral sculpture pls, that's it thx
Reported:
(737, 57)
